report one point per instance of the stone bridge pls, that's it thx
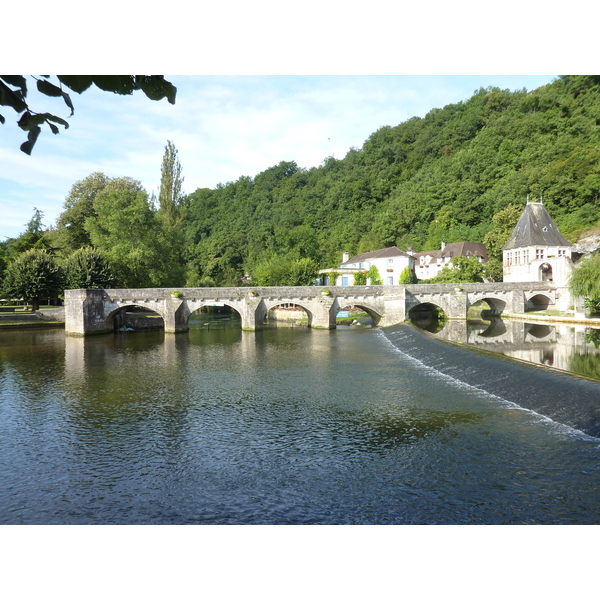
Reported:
(97, 311)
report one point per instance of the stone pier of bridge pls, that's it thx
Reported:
(96, 311)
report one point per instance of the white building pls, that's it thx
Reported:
(428, 264)
(537, 250)
(390, 263)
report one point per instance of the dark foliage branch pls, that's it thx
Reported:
(13, 93)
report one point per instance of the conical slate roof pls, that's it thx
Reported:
(535, 228)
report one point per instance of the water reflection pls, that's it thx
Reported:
(291, 425)
(570, 348)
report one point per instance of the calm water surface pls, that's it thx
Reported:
(289, 426)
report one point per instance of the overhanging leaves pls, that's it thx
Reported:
(29, 120)
(119, 84)
(45, 87)
(32, 137)
(11, 98)
(154, 86)
(16, 81)
(77, 83)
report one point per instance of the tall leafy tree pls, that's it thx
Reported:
(285, 271)
(71, 233)
(87, 268)
(125, 229)
(33, 275)
(171, 202)
(170, 196)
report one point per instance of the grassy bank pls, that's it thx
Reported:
(6, 324)
(26, 319)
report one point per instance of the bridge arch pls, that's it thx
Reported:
(538, 301)
(496, 305)
(374, 314)
(274, 304)
(117, 318)
(194, 307)
(426, 312)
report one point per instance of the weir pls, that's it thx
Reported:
(93, 311)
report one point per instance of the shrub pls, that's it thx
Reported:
(373, 276)
(33, 275)
(360, 278)
(87, 268)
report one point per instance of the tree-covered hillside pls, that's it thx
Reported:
(441, 177)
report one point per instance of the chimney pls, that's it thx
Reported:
(345, 257)
(410, 251)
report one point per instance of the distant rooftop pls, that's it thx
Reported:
(535, 228)
(457, 249)
(385, 253)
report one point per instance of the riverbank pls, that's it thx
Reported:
(50, 317)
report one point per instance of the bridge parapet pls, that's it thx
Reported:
(93, 311)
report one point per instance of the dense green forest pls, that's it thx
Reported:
(453, 175)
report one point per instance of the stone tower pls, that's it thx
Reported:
(537, 250)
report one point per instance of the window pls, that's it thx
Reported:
(539, 253)
(344, 280)
(390, 261)
(390, 281)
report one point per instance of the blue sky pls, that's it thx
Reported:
(224, 127)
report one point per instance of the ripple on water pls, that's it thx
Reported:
(281, 427)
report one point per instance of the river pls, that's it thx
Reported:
(291, 425)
